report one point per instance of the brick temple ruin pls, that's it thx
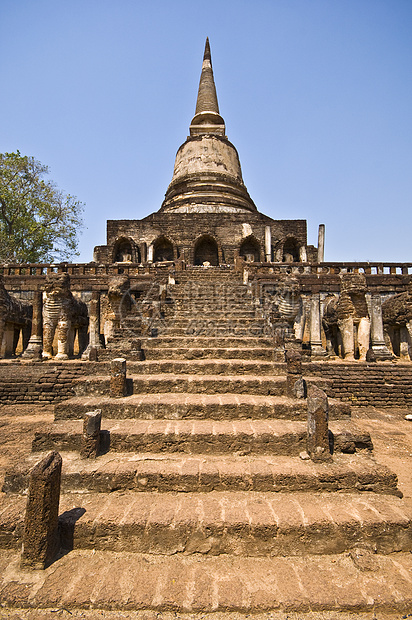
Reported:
(202, 370)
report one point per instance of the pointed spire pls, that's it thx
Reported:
(207, 118)
(207, 55)
(207, 98)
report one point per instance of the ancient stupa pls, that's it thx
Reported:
(207, 214)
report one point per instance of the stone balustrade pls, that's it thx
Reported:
(368, 268)
(95, 269)
(76, 269)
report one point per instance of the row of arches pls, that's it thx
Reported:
(206, 249)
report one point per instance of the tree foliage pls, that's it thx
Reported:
(38, 222)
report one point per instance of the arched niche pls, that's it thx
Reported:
(250, 249)
(206, 250)
(162, 250)
(290, 251)
(125, 251)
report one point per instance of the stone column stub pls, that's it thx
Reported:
(293, 359)
(318, 425)
(315, 327)
(34, 348)
(379, 346)
(41, 541)
(295, 383)
(94, 328)
(91, 434)
(321, 243)
(404, 344)
(136, 349)
(118, 386)
(268, 244)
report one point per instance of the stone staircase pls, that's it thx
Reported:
(204, 456)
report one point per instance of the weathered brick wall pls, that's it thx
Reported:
(184, 228)
(380, 384)
(40, 382)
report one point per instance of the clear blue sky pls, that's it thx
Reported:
(316, 95)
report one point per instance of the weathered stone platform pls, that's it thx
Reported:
(200, 501)
(170, 406)
(117, 585)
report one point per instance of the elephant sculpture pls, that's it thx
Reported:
(286, 315)
(397, 321)
(15, 317)
(346, 318)
(63, 315)
(118, 306)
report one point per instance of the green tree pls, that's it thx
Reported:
(38, 222)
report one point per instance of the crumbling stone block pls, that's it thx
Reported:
(293, 362)
(318, 427)
(41, 534)
(180, 264)
(296, 386)
(136, 349)
(91, 355)
(295, 383)
(118, 387)
(91, 434)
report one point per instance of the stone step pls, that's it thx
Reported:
(204, 273)
(194, 406)
(213, 310)
(157, 348)
(223, 331)
(200, 321)
(203, 315)
(254, 328)
(253, 353)
(181, 473)
(242, 307)
(192, 384)
(197, 290)
(199, 315)
(188, 383)
(237, 523)
(201, 280)
(206, 367)
(225, 301)
(270, 437)
(211, 314)
(195, 280)
(201, 284)
(218, 300)
(114, 585)
(212, 342)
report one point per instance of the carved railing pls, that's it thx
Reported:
(368, 268)
(133, 269)
(76, 269)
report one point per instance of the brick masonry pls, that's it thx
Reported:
(40, 382)
(183, 229)
(363, 384)
(381, 384)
